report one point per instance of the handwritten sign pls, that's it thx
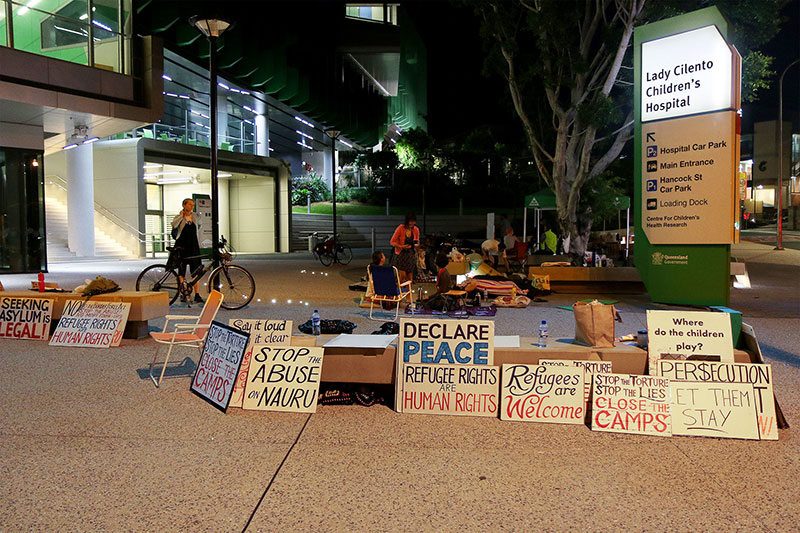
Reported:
(759, 377)
(88, 324)
(222, 355)
(623, 403)
(284, 378)
(589, 369)
(278, 332)
(450, 389)
(726, 410)
(688, 335)
(25, 318)
(542, 393)
(432, 341)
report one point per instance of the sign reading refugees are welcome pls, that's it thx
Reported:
(219, 364)
(25, 318)
(542, 393)
(277, 332)
(442, 342)
(284, 378)
(590, 368)
(88, 324)
(450, 389)
(623, 403)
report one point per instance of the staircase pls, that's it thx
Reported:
(106, 248)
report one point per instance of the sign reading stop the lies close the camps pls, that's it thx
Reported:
(277, 332)
(702, 405)
(90, 324)
(542, 393)
(284, 378)
(219, 364)
(25, 318)
(687, 335)
(450, 389)
(435, 342)
(623, 403)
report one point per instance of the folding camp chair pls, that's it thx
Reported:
(193, 335)
(386, 282)
(518, 255)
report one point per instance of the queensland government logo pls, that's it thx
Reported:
(663, 259)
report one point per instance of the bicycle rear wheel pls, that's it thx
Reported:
(159, 278)
(235, 283)
(326, 259)
(344, 254)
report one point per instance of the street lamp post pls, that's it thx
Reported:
(333, 134)
(212, 28)
(779, 191)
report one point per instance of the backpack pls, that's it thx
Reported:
(100, 285)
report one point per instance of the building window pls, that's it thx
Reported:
(373, 12)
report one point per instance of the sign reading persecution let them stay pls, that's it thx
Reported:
(277, 332)
(90, 324)
(25, 318)
(442, 342)
(284, 378)
(219, 364)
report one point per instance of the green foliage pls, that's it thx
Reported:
(598, 197)
(311, 185)
(415, 149)
(756, 74)
(377, 167)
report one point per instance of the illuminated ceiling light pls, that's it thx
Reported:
(175, 179)
(165, 173)
(82, 34)
(234, 90)
(172, 94)
(307, 136)
(152, 165)
(224, 175)
(91, 140)
(184, 96)
(35, 162)
(70, 146)
(223, 86)
(346, 144)
(301, 143)
(24, 9)
(166, 77)
(248, 108)
(84, 16)
(101, 25)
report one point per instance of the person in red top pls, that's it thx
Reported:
(405, 240)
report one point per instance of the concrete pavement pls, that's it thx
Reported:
(87, 443)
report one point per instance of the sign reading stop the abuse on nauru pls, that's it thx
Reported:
(623, 403)
(542, 393)
(25, 318)
(284, 378)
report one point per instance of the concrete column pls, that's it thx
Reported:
(262, 129)
(222, 116)
(80, 200)
(328, 166)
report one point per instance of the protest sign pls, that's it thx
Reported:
(726, 410)
(219, 364)
(589, 369)
(284, 378)
(542, 393)
(450, 389)
(88, 324)
(624, 403)
(25, 318)
(758, 376)
(433, 341)
(277, 332)
(688, 335)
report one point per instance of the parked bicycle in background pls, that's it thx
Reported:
(332, 250)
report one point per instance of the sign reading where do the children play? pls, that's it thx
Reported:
(88, 324)
(219, 364)
(284, 378)
(25, 318)
(624, 403)
(442, 342)
(277, 332)
(688, 335)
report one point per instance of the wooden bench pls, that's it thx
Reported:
(619, 280)
(144, 306)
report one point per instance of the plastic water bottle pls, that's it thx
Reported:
(543, 334)
(315, 329)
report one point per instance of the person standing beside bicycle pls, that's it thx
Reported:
(405, 241)
(187, 240)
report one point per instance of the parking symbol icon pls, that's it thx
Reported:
(652, 185)
(652, 150)
(652, 204)
(652, 165)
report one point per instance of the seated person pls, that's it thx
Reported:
(444, 284)
(378, 259)
(509, 240)
(491, 248)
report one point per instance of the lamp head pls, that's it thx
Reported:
(210, 27)
(333, 133)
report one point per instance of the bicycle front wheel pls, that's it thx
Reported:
(158, 278)
(344, 254)
(235, 283)
(326, 259)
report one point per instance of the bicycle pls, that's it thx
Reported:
(233, 281)
(330, 250)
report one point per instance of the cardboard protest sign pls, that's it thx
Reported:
(435, 341)
(589, 369)
(25, 318)
(278, 332)
(219, 364)
(624, 403)
(759, 377)
(542, 393)
(726, 410)
(88, 324)
(284, 378)
(450, 389)
(688, 335)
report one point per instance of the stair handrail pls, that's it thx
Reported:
(62, 183)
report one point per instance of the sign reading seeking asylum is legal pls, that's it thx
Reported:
(25, 318)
